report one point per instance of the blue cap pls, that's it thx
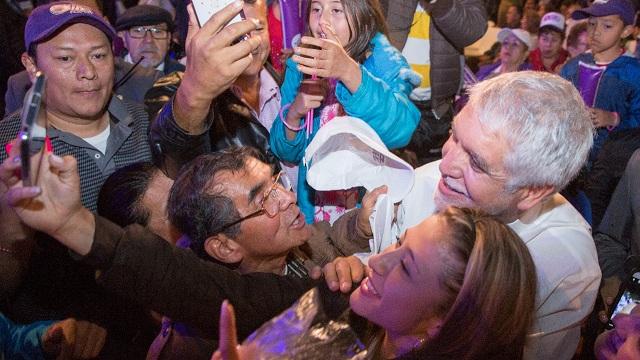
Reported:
(624, 8)
(46, 20)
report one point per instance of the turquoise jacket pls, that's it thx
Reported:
(21, 341)
(382, 100)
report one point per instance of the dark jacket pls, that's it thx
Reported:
(454, 25)
(230, 120)
(618, 235)
(171, 65)
(146, 269)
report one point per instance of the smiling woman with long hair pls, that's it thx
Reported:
(460, 285)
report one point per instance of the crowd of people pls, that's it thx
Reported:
(167, 212)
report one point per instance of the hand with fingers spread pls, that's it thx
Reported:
(214, 62)
(71, 339)
(54, 206)
(343, 272)
(327, 58)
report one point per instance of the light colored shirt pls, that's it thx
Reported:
(269, 103)
(563, 251)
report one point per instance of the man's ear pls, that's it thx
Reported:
(224, 249)
(121, 35)
(628, 30)
(29, 64)
(531, 196)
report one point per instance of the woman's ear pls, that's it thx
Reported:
(224, 249)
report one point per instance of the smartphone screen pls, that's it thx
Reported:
(205, 9)
(627, 299)
(30, 110)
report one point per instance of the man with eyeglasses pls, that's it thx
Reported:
(235, 209)
(147, 31)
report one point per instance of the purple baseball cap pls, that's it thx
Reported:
(624, 8)
(46, 20)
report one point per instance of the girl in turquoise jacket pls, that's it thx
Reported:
(367, 78)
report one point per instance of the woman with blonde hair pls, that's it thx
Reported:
(460, 285)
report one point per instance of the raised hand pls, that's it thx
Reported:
(327, 58)
(54, 206)
(213, 63)
(228, 345)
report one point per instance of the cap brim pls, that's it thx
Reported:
(107, 30)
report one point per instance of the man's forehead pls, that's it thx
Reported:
(78, 36)
(253, 172)
(160, 24)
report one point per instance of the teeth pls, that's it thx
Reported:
(368, 286)
(451, 186)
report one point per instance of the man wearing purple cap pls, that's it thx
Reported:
(71, 45)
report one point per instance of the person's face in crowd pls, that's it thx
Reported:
(512, 51)
(155, 201)
(513, 17)
(144, 44)
(472, 170)
(530, 5)
(258, 10)
(333, 13)
(78, 64)
(550, 43)
(605, 32)
(404, 281)
(263, 236)
(581, 45)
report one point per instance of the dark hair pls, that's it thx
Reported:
(365, 19)
(550, 29)
(120, 198)
(490, 276)
(574, 33)
(197, 204)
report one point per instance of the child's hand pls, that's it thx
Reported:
(603, 118)
(301, 105)
(328, 59)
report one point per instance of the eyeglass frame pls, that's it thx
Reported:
(149, 29)
(262, 209)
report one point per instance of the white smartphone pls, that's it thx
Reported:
(205, 9)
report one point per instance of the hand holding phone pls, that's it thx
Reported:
(205, 9)
(627, 299)
(30, 110)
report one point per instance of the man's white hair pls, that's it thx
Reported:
(544, 121)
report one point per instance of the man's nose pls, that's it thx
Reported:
(453, 158)
(85, 69)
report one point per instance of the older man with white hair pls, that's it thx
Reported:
(520, 139)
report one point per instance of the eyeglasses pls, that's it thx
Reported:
(140, 32)
(270, 203)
